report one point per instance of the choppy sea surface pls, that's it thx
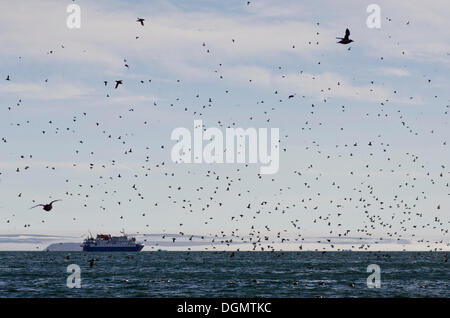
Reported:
(219, 274)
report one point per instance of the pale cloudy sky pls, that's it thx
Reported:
(72, 142)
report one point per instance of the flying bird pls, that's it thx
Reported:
(46, 207)
(118, 83)
(141, 21)
(345, 39)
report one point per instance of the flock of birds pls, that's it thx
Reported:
(372, 207)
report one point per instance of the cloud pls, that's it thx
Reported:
(320, 85)
(398, 72)
(78, 166)
(44, 92)
(172, 40)
(168, 35)
(413, 30)
(133, 99)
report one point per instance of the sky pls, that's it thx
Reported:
(364, 149)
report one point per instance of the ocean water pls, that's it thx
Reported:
(211, 274)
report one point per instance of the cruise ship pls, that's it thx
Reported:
(108, 243)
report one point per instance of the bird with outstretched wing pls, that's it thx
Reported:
(45, 207)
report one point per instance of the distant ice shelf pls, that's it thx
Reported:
(66, 247)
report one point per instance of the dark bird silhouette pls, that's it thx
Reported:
(345, 39)
(141, 21)
(46, 207)
(92, 262)
(118, 83)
